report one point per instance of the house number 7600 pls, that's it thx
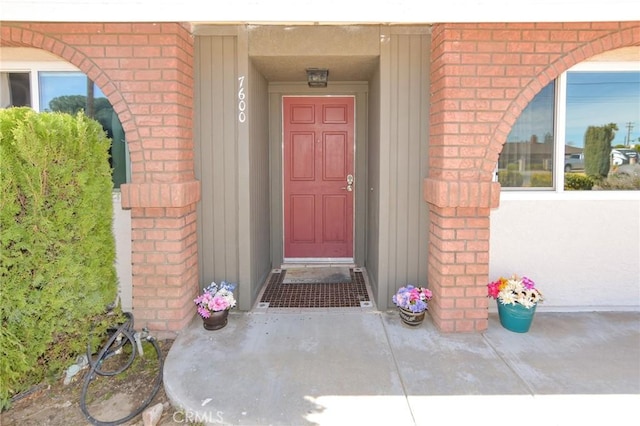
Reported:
(242, 105)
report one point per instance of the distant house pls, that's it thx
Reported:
(568, 150)
(220, 122)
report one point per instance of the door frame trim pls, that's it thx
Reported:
(355, 173)
(357, 89)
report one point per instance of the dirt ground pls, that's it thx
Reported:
(109, 398)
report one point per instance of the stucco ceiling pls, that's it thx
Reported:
(293, 68)
(284, 52)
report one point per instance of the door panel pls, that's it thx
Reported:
(318, 159)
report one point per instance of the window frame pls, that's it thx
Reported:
(557, 192)
(34, 68)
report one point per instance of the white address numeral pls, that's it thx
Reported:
(242, 105)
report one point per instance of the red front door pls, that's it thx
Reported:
(318, 177)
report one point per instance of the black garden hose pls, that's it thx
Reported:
(125, 330)
(108, 350)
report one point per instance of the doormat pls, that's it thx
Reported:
(350, 294)
(313, 275)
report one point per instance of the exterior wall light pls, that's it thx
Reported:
(317, 77)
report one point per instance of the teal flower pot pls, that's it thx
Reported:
(516, 317)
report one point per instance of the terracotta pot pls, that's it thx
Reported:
(216, 321)
(411, 318)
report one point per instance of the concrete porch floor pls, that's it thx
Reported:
(362, 366)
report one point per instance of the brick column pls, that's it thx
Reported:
(459, 252)
(482, 77)
(146, 72)
(164, 253)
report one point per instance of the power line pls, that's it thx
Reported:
(629, 125)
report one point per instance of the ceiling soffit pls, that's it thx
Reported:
(283, 53)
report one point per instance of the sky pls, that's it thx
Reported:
(593, 99)
(56, 83)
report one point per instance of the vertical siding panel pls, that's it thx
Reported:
(413, 160)
(259, 169)
(392, 190)
(230, 158)
(204, 145)
(373, 186)
(217, 185)
(404, 142)
(234, 174)
(216, 157)
(425, 98)
(416, 152)
(406, 165)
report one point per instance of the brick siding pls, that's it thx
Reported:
(483, 76)
(146, 72)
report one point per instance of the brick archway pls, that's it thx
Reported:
(483, 76)
(146, 72)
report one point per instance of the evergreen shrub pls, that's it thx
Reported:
(597, 150)
(57, 247)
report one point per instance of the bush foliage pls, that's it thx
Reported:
(620, 181)
(577, 182)
(511, 177)
(56, 241)
(597, 150)
(542, 180)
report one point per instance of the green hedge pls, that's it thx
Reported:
(57, 245)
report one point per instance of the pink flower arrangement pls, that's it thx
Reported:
(215, 298)
(515, 290)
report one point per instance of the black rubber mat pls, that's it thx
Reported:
(316, 295)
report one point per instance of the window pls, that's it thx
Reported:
(15, 89)
(585, 123)
(58, 86)
(526, 160)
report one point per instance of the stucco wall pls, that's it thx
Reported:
(122, 234)
(583, 254)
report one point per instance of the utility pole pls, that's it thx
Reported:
(628, 138)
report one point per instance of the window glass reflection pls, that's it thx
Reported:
(527, 156)
(72, 92)
(15, 89)
(601, 98)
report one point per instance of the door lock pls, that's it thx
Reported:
(349, 186)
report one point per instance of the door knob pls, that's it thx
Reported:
(349, 186)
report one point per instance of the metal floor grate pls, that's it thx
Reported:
(315, 295)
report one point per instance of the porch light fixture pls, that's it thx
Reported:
(317, 77)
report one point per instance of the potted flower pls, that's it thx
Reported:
(214, 304)
(517, 298)
(412, 302)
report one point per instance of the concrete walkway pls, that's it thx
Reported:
(364, 367)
